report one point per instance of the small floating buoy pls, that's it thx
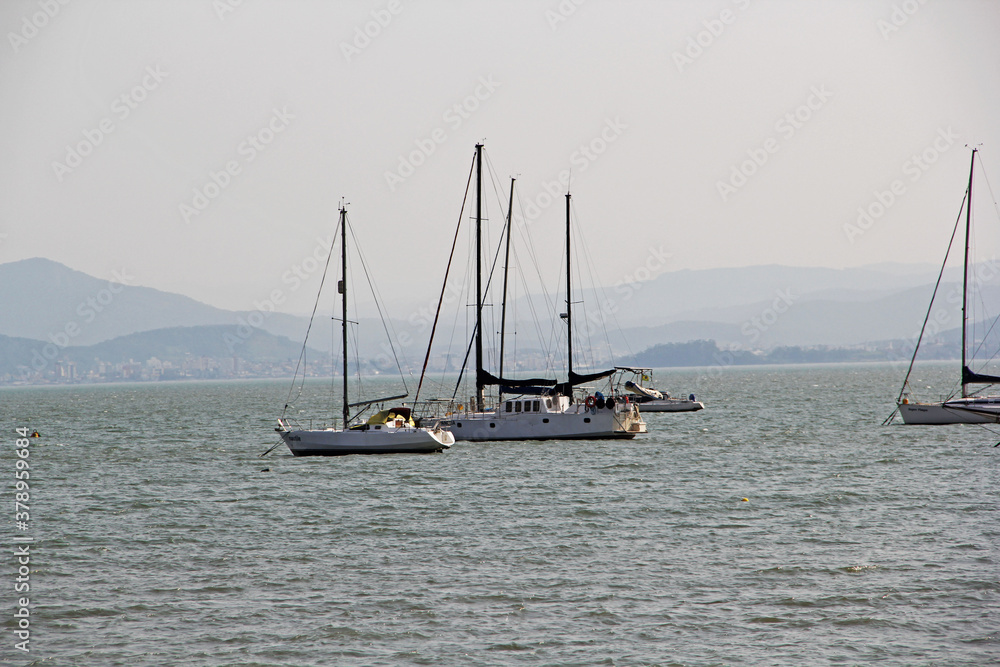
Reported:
(35, 434)
(265, 470)
(745, 500)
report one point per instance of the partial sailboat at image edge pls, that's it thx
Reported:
(970, 407)
(389, 431)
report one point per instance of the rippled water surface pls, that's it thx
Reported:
(161, 540)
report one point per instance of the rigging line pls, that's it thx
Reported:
(986, 335)
(581, 242)
(302, 354)
(989, 187)
(444, 284)
(533, 313)
(525, 233)
(335, 347)
(465, 362)
(486, 289)
(982, 172)
(353, 332)
(377, 296)
(991, 431)
(494, 180)
(610, 311)
(937, 284)
(546, 343)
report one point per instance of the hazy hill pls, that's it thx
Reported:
(175, 344)
(44, 300)
(687, 294)
(754, 307)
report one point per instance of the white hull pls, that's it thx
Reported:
(575, 423)
(335, 442)
(959, 411)
(670, 405)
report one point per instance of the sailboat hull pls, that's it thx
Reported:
(962, 411)
(332, 442)
(670, 405)
(581, 424)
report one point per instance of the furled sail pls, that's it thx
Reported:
(486, 378)
(969, 377)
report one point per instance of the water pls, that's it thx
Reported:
(160, 541)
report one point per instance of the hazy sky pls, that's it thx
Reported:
(202, 146)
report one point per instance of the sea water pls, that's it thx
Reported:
(782, 525)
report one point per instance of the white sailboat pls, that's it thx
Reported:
(637, 381)
(971, 407)
(390, 431)
(536, 408)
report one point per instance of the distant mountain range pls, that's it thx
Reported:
(44, 300)
(753, 308)
(179, 346)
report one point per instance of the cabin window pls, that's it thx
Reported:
(493, 425)
(534, 406)
(507, 406)
(517, 406)
(586, 420)
(459, 424)
(378, 428)
(545, 420)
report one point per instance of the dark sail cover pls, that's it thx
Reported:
(486, 378)
(566, 388)
(576, 378)
(968, 377)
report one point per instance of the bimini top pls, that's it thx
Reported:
(392, 414)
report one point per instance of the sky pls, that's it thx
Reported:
(203, 146)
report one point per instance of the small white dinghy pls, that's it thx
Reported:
(649, 399)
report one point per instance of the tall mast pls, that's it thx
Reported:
(342, 288)
(965, 270)
(569, 301)
(480, 392)
(506, 266)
